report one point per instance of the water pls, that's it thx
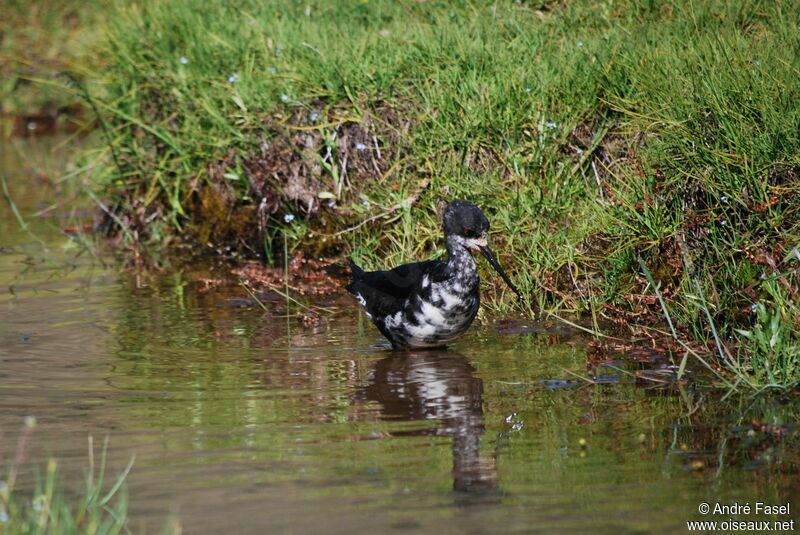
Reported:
(243, 421)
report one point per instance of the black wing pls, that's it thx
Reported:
(385, 291)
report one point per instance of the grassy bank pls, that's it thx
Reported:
(600, 137)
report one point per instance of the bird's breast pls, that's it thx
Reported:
(442, 314)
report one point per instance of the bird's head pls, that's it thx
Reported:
(465, 225)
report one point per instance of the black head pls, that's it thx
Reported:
(465, 225)
(462, 218)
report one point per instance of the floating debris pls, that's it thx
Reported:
(555, 384)
(238, 303)
(608, 379)
(519, 329)
(697, 464)
(308, 277)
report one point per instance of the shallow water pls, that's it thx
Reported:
(242, 420)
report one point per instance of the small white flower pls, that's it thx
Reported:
(284, 98)
(184, 60)
(361, 147)
(724, 198)
(331, 204)
(578, 151)
(579, 43)
(723, 223)
(551, 125)
(528, 90)
(288, 218)
(365, 202)
(233, 78)
(272, 70)
(757, 62)
(312, 118)
(753, 307)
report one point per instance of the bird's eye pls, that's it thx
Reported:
(469, 233)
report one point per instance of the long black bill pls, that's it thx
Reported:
(496, 265)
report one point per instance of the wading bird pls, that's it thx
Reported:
(427, 304)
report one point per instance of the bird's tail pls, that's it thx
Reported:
(357, 274)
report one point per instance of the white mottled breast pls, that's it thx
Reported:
(445, 316)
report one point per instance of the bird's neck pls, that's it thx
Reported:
(459, 259)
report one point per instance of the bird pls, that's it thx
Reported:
(431, 303)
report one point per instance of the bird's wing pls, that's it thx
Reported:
(384, 292)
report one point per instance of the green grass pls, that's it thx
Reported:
(100, 509)
(39, 40)
(592, 134)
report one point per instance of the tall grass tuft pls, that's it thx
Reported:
(100, 509)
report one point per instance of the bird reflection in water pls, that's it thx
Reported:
(441, 386)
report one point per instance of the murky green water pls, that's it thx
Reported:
(242, 421)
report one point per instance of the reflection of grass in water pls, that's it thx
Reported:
(623, 417)
(252, 398)
(633, 435)
(100, 508)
